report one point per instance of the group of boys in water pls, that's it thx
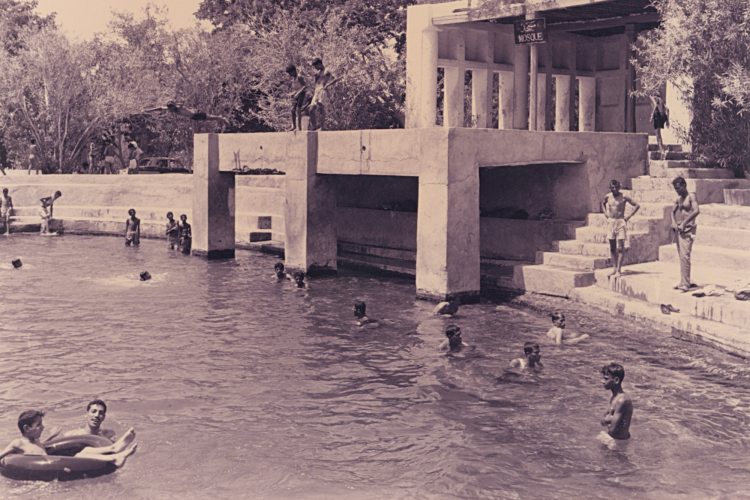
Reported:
(179, 234)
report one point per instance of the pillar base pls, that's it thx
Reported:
(471, 297)
(214, 254)
(313, 270)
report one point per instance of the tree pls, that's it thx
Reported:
(703, 46)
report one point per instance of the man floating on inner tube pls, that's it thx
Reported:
(30, 424)
(96, 412)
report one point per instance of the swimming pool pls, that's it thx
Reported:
(243, 387)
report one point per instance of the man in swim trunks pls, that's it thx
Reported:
(96, 412)
(320, 102)
(186, 235)
(533, 356)
(181, 110)
(49, 201)
(660, 117)
(132, 229)
(6, 210)
(31, 426)
(109, 157)
(683, 215)
(173, 232)
(34, 157)
(45, 216)
(613, 207)
(620, 411)
(300, 101)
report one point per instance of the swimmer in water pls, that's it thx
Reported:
(620, 411)
(16, 263)
(299, 279)
(533, 357)
(359, 311)
(145, 276)
(278, 271)
(447, 308)
(556, 332)
(96, 412)
(31, 426)
(132, 229)
(454, 342)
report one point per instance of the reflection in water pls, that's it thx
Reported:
(238, 382)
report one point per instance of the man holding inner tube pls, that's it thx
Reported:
(96, 412)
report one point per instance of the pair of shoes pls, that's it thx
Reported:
(668, 308)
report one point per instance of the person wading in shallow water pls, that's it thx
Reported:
(620, 411)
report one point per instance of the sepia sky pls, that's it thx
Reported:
(82, 18)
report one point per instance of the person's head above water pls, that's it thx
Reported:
(454, 336)
(28, 419)
(16, 262)
(613, 374)
(278, 269)
(145, 276)
(299, 278)
(96, 412)
(360, 309)
(558, 319)
(531, 349)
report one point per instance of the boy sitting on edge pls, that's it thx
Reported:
(620, 411)
(533, 357)
(556, 332)
(359, 311)
(30, 424)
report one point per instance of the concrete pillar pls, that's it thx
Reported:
(453, 104)
(573, 67)
(429, 74)
(562, 103)
(521, 87)
(448, 223)
(541, 102)
(548, 87)
(309, 210)
(480, 97)
(587, 104)
(213, 201)
(506, 99)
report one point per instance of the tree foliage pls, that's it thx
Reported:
(703, 46)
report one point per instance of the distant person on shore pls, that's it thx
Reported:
(109, 157)
(180, 110)
(6, 210)
(684, 227)
(278, 271)
(34, 157)
(361, 314)
(132, 158)
(132, 229)
(299, 279)
(93, 159)
(3, 157)
(660, 118)
(31, 426)
(300, 101)
(533, 356)
(96, 412)
(620, 411)
(186, 235)
(613, 207)
(454, 343)
(556, 333)
(173, 232)
(320, 100)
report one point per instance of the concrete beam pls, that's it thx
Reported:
(213, 201)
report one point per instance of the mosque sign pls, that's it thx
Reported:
(530, 31)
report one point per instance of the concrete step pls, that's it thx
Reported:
(550, 280)
(377, 251)
(658, 170)
(669, 155)
(727, 216)
(694, 185)
(502, 274)
(639, 247)
(654, 282)
(656, 210)
(666, 165)
(684, 326)
(155, 214)
(273, 247)
(708, 256)
(572, 262)
(740, 197)
(378, 264)
(594, 234)
(653, 146)
(635, 224)
(737, 239)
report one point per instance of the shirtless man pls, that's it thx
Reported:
(180, 110)
(613, 207)
(533, 356)
(31, 426)
(684, 212)
(96, 412)
(620, 411)
(453, 343)
(34, 157)
(6, 210)
(132, 229)
(49, 201)
(300, 105)
(557, 332)
(323, 80)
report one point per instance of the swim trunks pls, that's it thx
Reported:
(659, 119)
(132, 237)
(616, 229)
(612, 443)
(109, 159)
(199, 116)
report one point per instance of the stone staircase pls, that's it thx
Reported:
(577, 263)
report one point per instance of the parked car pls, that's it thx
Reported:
(160, 165)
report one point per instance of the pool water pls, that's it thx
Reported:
(240, 386)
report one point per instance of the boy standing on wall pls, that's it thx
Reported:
(300, 104)
(613, 207)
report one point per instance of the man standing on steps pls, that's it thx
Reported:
(613, 207)
(684, 212)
